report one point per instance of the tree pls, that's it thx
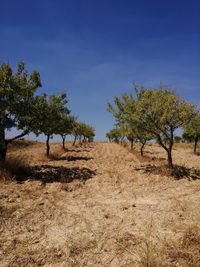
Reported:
(50, 113)
(156, 113)
(115, 135)
(192, 131)
(160, 112)
(77, 131)
(177, 139)
(88, 133)
(134, 132)
(123, 110)
(65, 127)
(83, 132)
(16, 102)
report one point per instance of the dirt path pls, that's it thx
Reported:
(106, 218)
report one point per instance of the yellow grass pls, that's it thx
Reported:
(94, 205)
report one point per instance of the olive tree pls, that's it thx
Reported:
(17, 100)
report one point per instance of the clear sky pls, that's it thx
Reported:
(96, 49)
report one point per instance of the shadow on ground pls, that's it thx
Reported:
(179, 172)
(78, 150)
(74, 158)
(49, 174)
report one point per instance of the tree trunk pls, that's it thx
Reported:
(3, 150)
(168, 149)
(142, 149)
(80, 140)
(169, 157)
(131, 144)
(63, 141)
(195, 145)
(75, 137)
(47, 145)
(3, 147)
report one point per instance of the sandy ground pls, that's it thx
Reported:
(91, 206)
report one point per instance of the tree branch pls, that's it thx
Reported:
(161, 143)
(17, 137)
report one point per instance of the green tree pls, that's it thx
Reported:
(134, 132)
(17, 100)
(50, 113)
(83, 132)
(160, 112)
(77, 131)
(192, 131)
(115, 135)
(88, 133)
(65, 127)
(123, 109)
(177, 139)
(153, 113)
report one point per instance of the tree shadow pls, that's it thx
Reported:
(78, 150)
(50, 174)
(178, 172)
(74, 158)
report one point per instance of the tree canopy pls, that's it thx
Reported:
(192, 131)
(50, 113)
(17, 90)
(153, 113)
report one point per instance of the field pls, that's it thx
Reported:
(98, 205)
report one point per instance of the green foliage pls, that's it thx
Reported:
(152, 113)
(124, 110)
(83, 132)
(17, 95)
(88, 133)
(177, 139)
(50, 112)
(66, 125)
(161, 112)
(192, 128)
(192, 131)
(50, 116)
(16, 102)
(115, 135)
(43, 114)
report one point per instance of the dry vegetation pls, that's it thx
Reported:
(96, 205)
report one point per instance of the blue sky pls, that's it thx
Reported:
(96, 49)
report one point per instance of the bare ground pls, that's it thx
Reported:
(92, 206)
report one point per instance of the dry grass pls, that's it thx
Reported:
(185, 250)
(119, 216)
(17, 166)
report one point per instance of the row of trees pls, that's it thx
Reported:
(121, 134)
(41, 114)
(154, 114)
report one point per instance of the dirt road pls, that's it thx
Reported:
(91, 207)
